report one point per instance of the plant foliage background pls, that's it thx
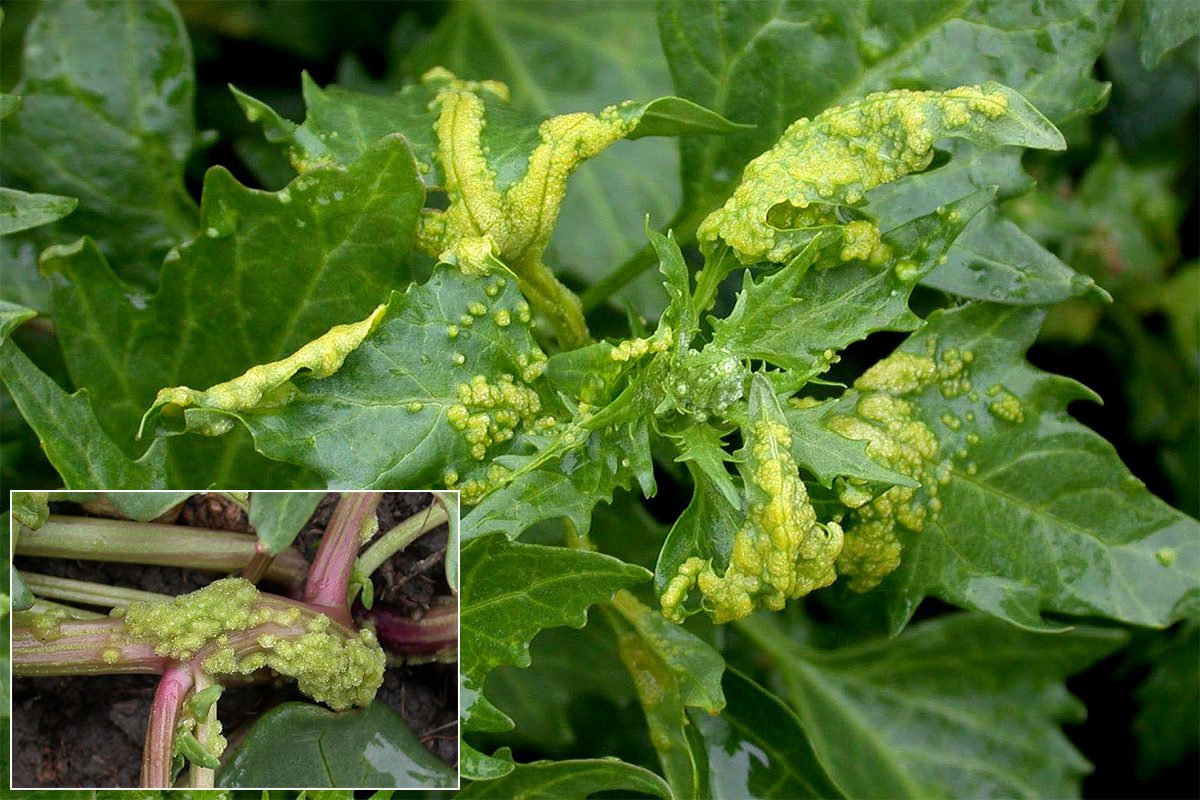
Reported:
(1078, 642)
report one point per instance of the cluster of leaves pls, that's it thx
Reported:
(394, 311)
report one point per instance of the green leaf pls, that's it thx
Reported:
(757, 748)
(22, 210)
(106, 116)
(381, 424)
(800, 316)
(1167, 725)
(1166, 24)
(771, 63)
(1037, 512)
(570, 780)
(271, 271)
(829, 455)
(673, 670)
(511, 591)
(12, 316)
(145, 506)
(585, 55)
(304, 745)
(704, 530)
(71, 436)
(962, 705)
(278, 517)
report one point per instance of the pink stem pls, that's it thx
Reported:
(329, 578)
(435, 632)
(79, 648)
(172, 690)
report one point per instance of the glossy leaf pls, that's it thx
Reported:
(959, 705)
(570, 780)
(1038, 513)
(67, 427)
(279, 517)
(673, 671)
(106, 116)
(757, 748)
(300, 745)
(510, 591)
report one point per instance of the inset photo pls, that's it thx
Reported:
(252, 640)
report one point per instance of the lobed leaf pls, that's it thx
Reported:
(510, 592)
(1029, 511)
(959, 705)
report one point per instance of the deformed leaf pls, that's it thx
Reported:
(570, 780)
(1022, 509)
(432, 383)
(828, 455)
(278, 517)
(802, 315)
(830, 162)
(956, 706)
(301, 745)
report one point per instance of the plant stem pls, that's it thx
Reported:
(176, 682)
(43, 606)
(684, 228)
(86, 592)
(79, 647)
(437, 631)
(149, 543)
(259, 564)
(329, 580)
(401, 537)
(201, 777)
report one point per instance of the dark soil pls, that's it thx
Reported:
(88, 731)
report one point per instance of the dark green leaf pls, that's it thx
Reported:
(757, 748)
(1167, 724)
(1166, 24)
(69, 432)
(385, 417)
(963, 705)
(278, 517)
(106, 116)
(510, 591)
(300, 745)
(569, 780)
